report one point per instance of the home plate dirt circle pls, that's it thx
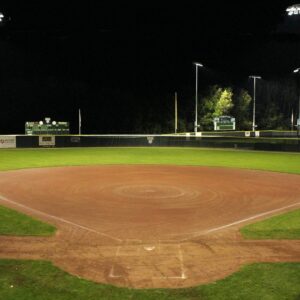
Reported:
(149, 226)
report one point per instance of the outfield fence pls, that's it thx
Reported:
(236, 142)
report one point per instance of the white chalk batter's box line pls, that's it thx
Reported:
(150, 248)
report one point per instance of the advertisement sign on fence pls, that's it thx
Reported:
(47, 141)
(7, 141)
(75, 139)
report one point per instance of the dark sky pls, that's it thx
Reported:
(202, 17)
(109, 59)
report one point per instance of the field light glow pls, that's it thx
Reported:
(1, 17)
(293, 10)
(255, 77)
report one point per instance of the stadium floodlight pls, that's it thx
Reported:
(198, 64)
(196, 96)
(254, 77)
(297, 70)
(293, 10)
(1, 17)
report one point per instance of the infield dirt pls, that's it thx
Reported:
(149, 226)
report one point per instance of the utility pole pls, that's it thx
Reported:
(79, 122)
(292, 120)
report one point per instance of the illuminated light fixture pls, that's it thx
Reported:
(293, 10)
(297, 70)
(1, 17)
(198, 65)
(254, 77)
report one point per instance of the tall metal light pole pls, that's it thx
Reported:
(254, 99)
(176, 113)
(196, 97)
(297, 71)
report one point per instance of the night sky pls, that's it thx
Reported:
(120, 63)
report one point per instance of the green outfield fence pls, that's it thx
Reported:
(291, 144)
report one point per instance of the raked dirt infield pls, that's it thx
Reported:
(149, 226)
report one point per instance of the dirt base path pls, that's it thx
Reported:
(149, 226)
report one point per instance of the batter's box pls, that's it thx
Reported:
(150, 260)
(128, 250)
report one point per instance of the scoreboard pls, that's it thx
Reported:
(224, 123)
(47, 127)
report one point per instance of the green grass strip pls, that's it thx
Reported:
(32, 158)
(285, 226)
(40, 280)
(14, 223)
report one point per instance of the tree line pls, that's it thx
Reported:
(277, 106)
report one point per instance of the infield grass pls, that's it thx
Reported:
(40, 280)
(285, 226)
(15, 223)
(32, 158)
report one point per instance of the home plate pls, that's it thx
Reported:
(149, 248)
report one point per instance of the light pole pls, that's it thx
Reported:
(196, 97)
(297, 71)
(176, 113)
(254, 99)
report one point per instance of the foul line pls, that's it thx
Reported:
(241, 221)
(58, 218)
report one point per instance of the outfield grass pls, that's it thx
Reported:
(31, 158)
(285, 226)
(14, 223)
(40, 280)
